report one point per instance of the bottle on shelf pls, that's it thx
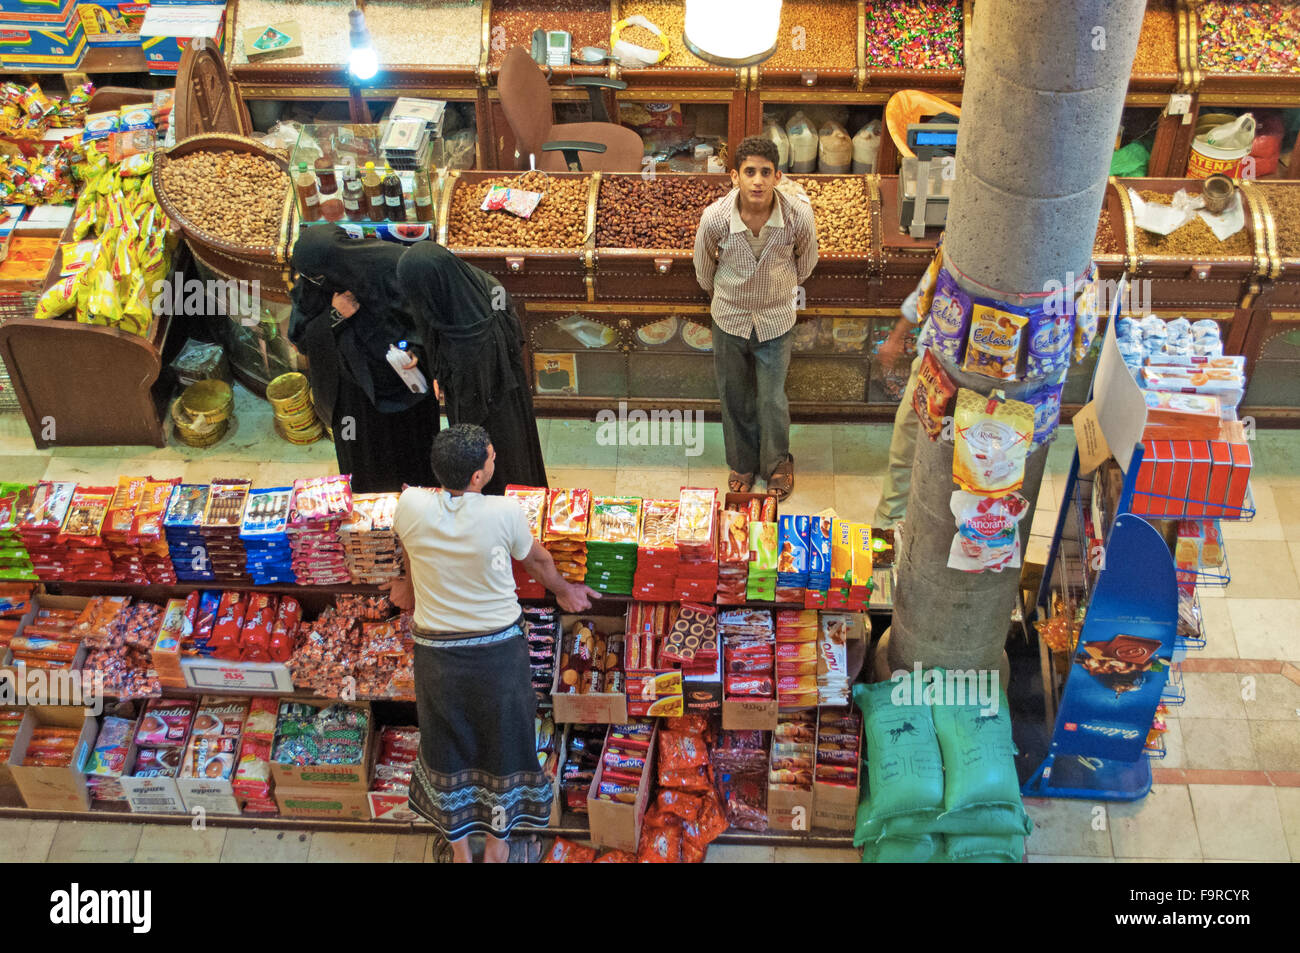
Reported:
(394, 198)
(373, 187)
(308, 197)
(423, 198)
(331, 200)
(355, 204)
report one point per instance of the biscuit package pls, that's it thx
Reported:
(994, 346)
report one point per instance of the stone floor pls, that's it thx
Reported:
(1229, 789)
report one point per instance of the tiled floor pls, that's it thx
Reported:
(1229, 788)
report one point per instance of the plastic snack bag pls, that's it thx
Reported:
(994, 345)
(993, 437)
(987, 537)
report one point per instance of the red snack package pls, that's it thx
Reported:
(661, 843)
(255, 635)
(696, 779)
(713, 818)
(681, 751)
(567, 852)
(694, 723)
(615, 857)
(684, 806)
(225, 639)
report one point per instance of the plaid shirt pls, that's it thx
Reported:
(752, 294)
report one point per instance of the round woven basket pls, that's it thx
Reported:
(236, 258)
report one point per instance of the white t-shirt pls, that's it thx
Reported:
(459, 550)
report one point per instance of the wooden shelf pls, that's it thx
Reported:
(100, 59)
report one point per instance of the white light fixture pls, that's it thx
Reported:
(732, 34)
(363, 62)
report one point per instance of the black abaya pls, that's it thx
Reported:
(383, 433)
(470, 323)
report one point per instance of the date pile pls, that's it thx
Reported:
(662, 212)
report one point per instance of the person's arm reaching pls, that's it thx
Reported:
(400, 591)
(572, 596)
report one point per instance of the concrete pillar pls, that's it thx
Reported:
(1045, 85)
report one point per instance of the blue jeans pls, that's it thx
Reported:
(755, 410)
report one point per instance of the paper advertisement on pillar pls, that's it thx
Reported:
(1121, 408)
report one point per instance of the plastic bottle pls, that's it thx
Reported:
(423, 198)
(394, 199)
(308, 198)
(355, 205)
(372, 187)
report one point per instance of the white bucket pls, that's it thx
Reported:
(1220, 151)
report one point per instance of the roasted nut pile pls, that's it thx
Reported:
(513, 22)
(1158, 42)
(1194, 238)
(1284, 203)
(816, 34)
(1106, 242)
(843, 215)
(670, 17)
(663, 212)
(233, 196)
(559, 221)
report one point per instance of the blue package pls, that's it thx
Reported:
(949, 321)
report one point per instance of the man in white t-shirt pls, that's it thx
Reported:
(477, 771)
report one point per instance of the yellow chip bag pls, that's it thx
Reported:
(102, 305)
(59, 298)
(992, 436)
(83, 224)
(78, 256)
(139, 164)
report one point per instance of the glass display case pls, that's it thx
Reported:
(369, 175)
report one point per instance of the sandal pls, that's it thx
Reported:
(781, 483)
(740, 483)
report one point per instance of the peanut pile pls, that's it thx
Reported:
(843, 214)
(663, 212)
(815, 34)
(559, 221)
(513, 22)
(233, 196)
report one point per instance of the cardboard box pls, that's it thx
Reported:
(213, 797)
(341, 804)
(1220, 477)
(36, 46)
(835, 807)
(388, 806)
(40, 13)
(1198, 486)
(1241, 466)
(756, 715)
(790, 810)
(1179, 478)
(112, 24)
(273, 41)
(168, 30)
(54, 789)
(327, 779)
(153, 795)
(618, 826)
(215, 675)
(704, 692)
(599, 708)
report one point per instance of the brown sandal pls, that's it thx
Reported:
(740, 483)
(781, 483)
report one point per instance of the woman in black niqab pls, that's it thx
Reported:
(470, 324)
(383, 432)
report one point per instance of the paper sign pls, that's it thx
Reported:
(1093, 449)
(1121, 409)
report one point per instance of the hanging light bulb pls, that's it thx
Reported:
(732, 34)
(363, 62)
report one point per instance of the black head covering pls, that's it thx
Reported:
(475, 333)
(328, 260)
